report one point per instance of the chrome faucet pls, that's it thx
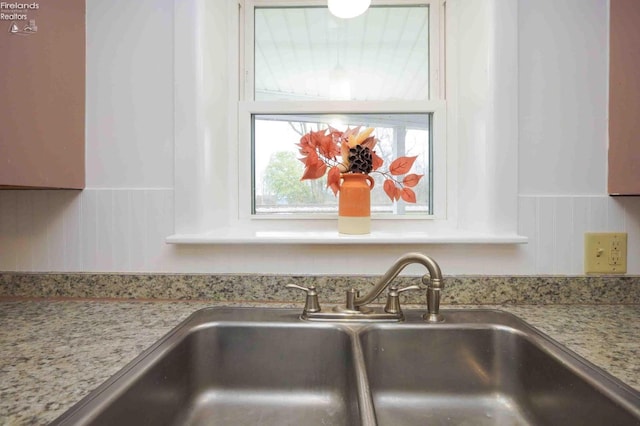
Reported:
(355, 307)
(433, 281)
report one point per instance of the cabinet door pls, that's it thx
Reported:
(624, 98)
(42, 94)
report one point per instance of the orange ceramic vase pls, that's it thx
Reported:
(354, 203)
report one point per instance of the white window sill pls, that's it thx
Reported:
(333, 237)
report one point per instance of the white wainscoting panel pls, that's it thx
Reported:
(124, 230)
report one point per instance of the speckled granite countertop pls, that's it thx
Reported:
(55, 352)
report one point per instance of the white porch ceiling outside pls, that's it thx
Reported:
(302, 53)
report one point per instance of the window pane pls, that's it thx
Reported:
(307, 53)
(277, 168)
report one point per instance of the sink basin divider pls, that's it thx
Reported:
(365, 399)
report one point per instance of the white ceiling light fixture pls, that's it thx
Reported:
(339, 84)
(348, 8)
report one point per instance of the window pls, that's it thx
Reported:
(213, 166)
(305, 70)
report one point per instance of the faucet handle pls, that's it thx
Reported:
(401, 290)
(311, 304)
(393, 298)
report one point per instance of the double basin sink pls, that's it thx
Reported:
(258, 366)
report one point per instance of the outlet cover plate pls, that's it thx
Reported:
(605, 252)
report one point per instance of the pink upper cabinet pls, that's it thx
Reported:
(624, 98)
(42, 95)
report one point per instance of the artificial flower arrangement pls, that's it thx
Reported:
(320, 151)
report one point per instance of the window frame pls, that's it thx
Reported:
(247, 107)
(482, 135)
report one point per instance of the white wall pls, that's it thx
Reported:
(129, 94)
(563, 96)
(120, 221)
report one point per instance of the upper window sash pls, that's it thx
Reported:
(247, 42)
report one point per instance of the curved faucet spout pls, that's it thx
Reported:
(433, 282)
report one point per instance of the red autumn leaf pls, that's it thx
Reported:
(315, 137)
(333, 180)
(305, 140)
(408, 195)
(390, 189)
(411, 180)
(402, 165)
(314, 171)
(350, 132)
(377, 162)
(335, 134)
(305, 147)
(311, 159)
(328, 147)
(369, 142)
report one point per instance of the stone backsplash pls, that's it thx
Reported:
(492, 290)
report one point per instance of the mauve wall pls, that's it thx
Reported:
(120, 221)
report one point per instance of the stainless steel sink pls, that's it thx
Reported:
(235, 366)
(486, 368)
